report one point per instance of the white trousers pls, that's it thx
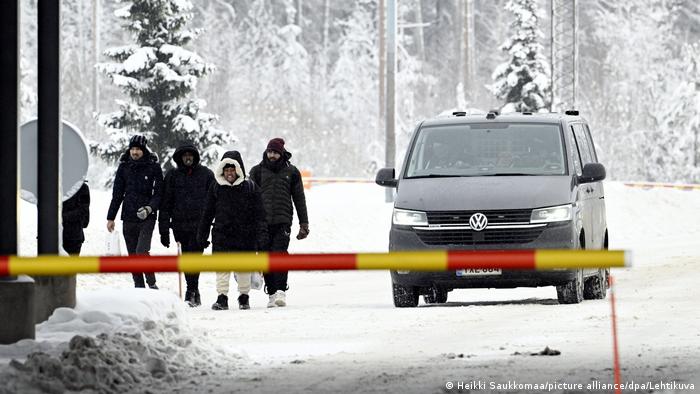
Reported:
(223, 279)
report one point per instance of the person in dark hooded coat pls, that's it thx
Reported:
(236, 207)
(184, 195)
(75, 216)
(137, 189)
(281, 184)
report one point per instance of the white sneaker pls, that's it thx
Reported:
(271, 303)
(280, 298)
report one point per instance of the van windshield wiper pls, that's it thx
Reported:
(437, 176)
(509, 174)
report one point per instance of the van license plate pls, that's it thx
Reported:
(479, 272)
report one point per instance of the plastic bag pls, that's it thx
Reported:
(256, 281)
(112, 244)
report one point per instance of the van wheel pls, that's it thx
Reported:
(596, 286)
(572, 292)
(405, 297)
(436, 296)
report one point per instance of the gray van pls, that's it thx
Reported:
(516, 181)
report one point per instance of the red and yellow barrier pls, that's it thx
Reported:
(432, 260)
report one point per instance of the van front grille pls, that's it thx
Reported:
(486, 237)
(462, 217)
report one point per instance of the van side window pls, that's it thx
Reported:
(590, 143)
(573, 151)
(583, 145)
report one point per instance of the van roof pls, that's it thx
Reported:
(515, 117)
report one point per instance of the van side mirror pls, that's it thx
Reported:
(592, 172)
(385, 177)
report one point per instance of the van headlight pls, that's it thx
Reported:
(559, 213)
(403, 217)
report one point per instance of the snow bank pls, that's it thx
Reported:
(113, 341)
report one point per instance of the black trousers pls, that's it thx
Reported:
(188, 243)
(138, 241)
(72, 247)
(279, 242)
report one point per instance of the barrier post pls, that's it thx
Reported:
(616, 354)
(306, 178)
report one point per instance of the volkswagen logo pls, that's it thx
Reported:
(478, 221)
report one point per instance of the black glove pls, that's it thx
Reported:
(143, 212)
(303, 231)
(165, 239)
(203, 244)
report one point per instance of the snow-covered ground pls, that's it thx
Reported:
(340, 331)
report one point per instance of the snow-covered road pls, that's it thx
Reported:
(340, 331)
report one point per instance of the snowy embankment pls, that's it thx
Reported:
(340, 331)
(113, 341)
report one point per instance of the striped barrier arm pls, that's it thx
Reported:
(438, 260)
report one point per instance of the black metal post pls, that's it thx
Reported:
(9, 120)
(16, 293)
(51, 292)
(48, 126)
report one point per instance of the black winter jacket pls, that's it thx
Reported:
(281, 184)
(184, 194)
(137, 183)
(75, 214)
(236, 209)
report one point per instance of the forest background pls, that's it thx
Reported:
(308, 71)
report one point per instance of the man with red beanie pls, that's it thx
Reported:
(281, 184)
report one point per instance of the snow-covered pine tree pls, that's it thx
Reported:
(522, 82)
(158, 74)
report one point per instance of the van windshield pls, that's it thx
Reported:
(488, 149)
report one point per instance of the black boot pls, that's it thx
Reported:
(189, 299)
(197, 299)
(221, 303)
(243, 302)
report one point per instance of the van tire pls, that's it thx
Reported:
(405, 297)
(435, 296)
(596, 286)
(572, 292)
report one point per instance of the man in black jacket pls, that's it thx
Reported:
(75, 213)
(138, 185)
(281, 184)
(184, 195)
(235, 205)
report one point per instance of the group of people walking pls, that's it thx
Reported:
(249, 213)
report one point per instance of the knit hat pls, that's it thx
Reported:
(138, 141)
(277, 145)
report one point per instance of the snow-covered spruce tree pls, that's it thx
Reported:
(352, 77)
(272, 81)
(158, 75)
(522, 82)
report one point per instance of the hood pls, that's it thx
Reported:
(147, 156)
(231, 157)
(186, 147)
(484, 193)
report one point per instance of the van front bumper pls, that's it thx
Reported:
(553, 236)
